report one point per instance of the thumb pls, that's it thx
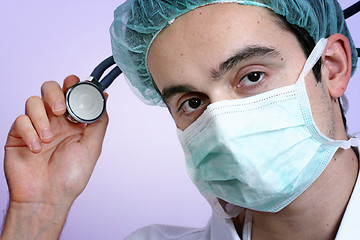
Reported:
(94, 134)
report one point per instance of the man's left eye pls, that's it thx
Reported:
(191, 105)
(252, 78)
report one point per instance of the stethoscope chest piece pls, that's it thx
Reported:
(85, 103)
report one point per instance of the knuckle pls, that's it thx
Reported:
(20, 119)
(31, 103)
(72, 78)
(32, 100)
(50, 89)
(24, 128)
(48, 85)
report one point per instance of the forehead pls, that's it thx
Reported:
(215, 21)
(199, 39)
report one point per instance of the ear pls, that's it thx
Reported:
(336, 64)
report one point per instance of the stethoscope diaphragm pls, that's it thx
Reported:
(85, 103)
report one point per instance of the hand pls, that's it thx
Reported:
(48, 159)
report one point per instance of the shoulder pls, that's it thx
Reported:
(166, 232)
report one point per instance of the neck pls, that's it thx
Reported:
(317, 213)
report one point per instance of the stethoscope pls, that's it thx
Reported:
(85, 101)
(350, 11)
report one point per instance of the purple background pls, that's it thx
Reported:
(140, 178)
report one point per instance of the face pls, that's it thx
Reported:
(220, 52)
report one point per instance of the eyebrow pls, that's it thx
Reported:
(171, 91)
(245, 54)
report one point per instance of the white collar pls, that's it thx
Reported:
(349, 226)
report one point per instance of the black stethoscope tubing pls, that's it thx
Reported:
(110, 77)
(349, 12)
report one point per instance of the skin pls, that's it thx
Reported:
(48, 160)
(184, 61)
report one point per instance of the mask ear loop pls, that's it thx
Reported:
(349, 12)
(315, 55)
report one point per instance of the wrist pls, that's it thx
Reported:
(34, 220)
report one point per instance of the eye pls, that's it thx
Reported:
(251, 79)
(190, 105)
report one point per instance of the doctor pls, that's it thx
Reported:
(258, 116)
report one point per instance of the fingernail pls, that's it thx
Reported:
(58, 106)
(46, 133)
(35, 146)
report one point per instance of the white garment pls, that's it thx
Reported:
(349, 228)
(223, 229)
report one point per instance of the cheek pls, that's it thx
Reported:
(180, 124)
(321, 107)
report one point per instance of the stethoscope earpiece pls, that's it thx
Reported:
(85, 101)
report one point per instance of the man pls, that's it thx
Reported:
(204, 59)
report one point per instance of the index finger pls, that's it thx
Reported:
(69, 82)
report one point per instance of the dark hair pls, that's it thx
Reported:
(308, 44)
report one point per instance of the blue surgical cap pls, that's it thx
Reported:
(138, 22)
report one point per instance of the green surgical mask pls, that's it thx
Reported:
(260, 152)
